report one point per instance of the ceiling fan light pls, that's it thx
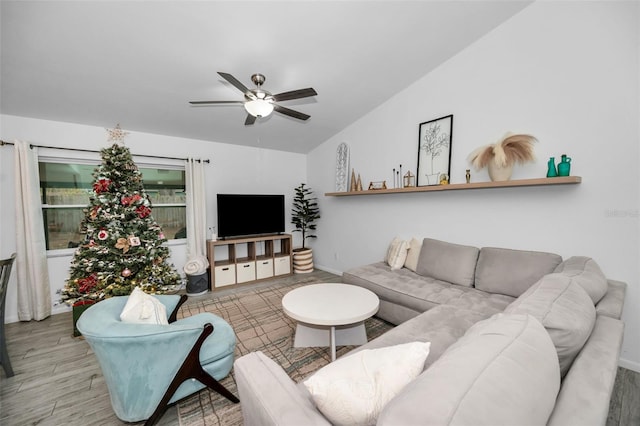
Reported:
(259, 108)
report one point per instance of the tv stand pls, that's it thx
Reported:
(235, 261)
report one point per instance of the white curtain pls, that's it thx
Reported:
(196, 209)
(34, 296)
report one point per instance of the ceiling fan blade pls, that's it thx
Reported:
(291, 113)
(295, 94)
(231, 79)
(214, 102)
(250, 120)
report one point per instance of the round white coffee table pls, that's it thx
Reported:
(330, 314)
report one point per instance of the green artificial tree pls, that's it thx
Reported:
(305, 212)
(122, 247)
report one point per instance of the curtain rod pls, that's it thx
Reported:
(2, 143)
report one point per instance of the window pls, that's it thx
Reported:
(65, 190)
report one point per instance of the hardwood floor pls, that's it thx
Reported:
(624, 408)
(58, 381)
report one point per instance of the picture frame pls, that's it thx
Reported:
(434, 150)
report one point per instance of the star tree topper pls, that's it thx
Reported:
(116, 134)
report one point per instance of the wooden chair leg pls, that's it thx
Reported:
(4, 354)
(191, 369)
(174, 315)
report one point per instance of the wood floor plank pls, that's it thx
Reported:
(630, 407)
(613, 418)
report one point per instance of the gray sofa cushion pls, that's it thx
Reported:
(564, 309)
(512, 272)
(587, 387)
(587, 273)
(418, 293)
(612, 303)
(441, 326)
(453, 263)
(488, 377)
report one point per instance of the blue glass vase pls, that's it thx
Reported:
(564, 166)
(551, 167)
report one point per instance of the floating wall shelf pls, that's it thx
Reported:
(564, 180)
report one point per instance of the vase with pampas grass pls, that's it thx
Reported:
(500, 157)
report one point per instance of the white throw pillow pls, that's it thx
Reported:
(142, 308)
(413, 254)
(394, 243)
(353, 390)
(397, 253)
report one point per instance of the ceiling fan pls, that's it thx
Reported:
(260, 103)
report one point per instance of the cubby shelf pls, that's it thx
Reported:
(564, 180)
(231, 269)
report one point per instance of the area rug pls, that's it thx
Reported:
(260, 325)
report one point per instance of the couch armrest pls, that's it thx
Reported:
(269, 396)
(586, 389)
(613, 301)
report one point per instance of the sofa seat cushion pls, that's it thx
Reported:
(587, 388)
(420, 293)
(564, 309)
(488, 377)
(441, 326)
(453, 263)
(587, 273)
(512, 272)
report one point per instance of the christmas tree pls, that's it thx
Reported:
(122, 247)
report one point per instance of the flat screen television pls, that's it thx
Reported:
(250, 214)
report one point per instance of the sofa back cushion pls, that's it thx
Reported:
(512, 272)
(587, 273)
(453, 263)
(564, 309)
(488, 377)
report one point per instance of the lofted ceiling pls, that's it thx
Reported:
(138, 63)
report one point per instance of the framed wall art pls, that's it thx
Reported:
(434, 150)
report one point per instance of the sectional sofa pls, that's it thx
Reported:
(516, 337)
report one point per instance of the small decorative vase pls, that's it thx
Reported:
(551, 167)
(564, 166)
(498, 173)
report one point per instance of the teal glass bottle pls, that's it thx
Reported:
(564, 166)
(551, 167)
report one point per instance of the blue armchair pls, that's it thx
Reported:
(147, 367)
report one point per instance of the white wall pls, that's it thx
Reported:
(233, 169)
(566, 72)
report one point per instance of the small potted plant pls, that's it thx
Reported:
(304, 213)
(500, 157)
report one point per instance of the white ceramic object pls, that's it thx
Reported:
(498, 174)
(342, 168)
